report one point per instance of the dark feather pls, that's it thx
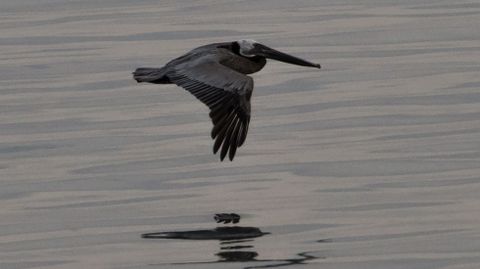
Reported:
(227, 98)
(234, 140)
(223, 132)
(220, 124)
(226, 142)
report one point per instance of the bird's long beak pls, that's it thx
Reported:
(283, 57)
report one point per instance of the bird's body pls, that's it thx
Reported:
(216, 74)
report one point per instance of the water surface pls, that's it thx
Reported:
(371, 162)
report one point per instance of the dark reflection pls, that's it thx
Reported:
(237, 256)
(227, 218)
(232, 242)
(235, 247)
(229, 242)
(304, 257)
(219, 233)
(251, 256)
(248, 256)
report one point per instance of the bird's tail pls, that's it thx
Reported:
(152, 75)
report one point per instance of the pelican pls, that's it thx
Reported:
(216, 74)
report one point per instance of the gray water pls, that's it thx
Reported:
(371, 162)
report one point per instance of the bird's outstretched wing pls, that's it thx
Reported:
(225, 91)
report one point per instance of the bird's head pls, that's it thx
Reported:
(251, 48)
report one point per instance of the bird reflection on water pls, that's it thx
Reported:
(219, 233)
(250, 256)
(232, 242)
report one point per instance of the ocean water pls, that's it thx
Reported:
(371, 162)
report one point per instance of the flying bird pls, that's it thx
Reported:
(216, 74)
